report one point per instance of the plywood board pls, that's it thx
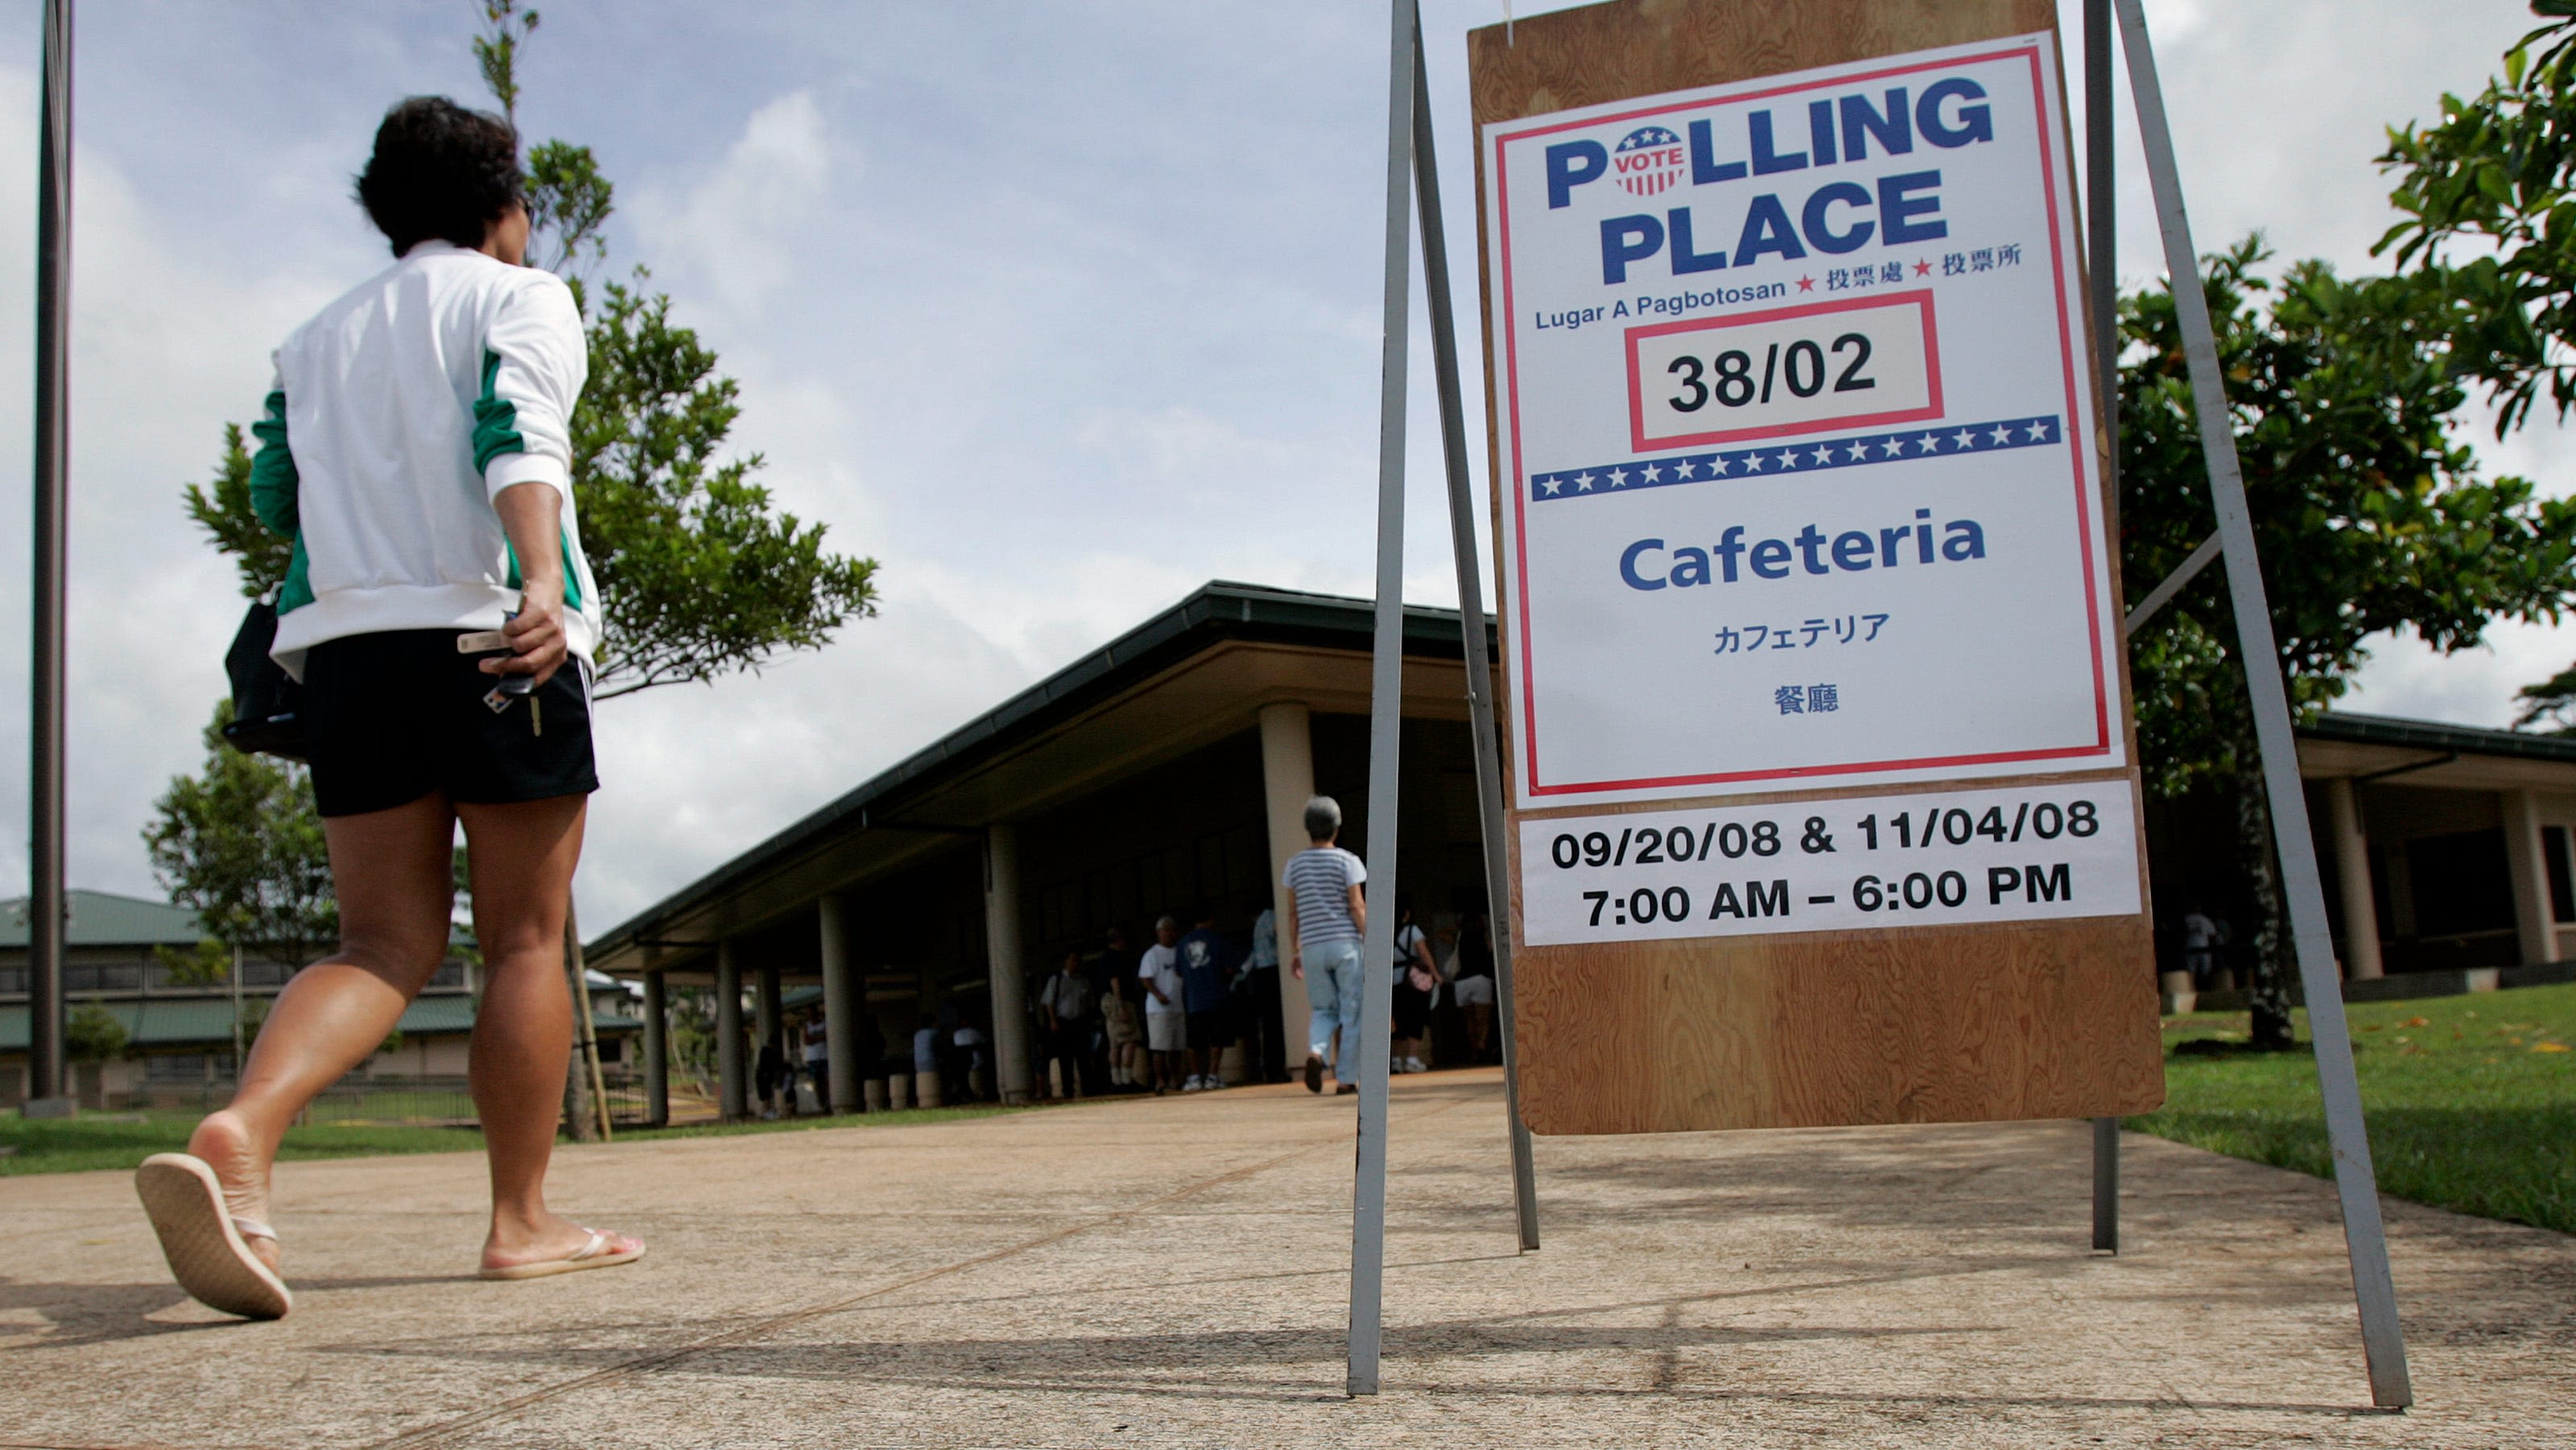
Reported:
(1933, 1023)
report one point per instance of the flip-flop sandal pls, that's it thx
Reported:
(205, 1243)
(592, 1255)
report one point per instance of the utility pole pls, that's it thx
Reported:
(45, 903)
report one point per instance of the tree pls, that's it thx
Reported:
(240, 844)
(2368, 516)
(2496, 172)
(2494, 182)
(93, 1034)
(207, 964)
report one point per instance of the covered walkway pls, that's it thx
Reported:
(1173, 1272)
(1162, 772)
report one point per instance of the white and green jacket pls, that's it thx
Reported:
(398, 413)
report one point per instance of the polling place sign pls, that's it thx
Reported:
(1795, 435)
(1823, 809)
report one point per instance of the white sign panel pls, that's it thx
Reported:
(1791, 390)
(2015, 854)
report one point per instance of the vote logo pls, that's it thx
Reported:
(1649, 160)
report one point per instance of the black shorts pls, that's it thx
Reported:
(1412, 1011)
(1207, 1029)
(394, 716)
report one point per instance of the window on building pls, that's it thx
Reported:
(103, 977)
(2461, 883)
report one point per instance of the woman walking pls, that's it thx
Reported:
(442, 617)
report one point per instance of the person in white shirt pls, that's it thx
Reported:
(1064, 1010)
(1159, 971)
(441, 615)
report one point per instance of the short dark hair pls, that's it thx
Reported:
(439, 171)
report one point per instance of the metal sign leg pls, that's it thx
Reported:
(1386, 715)
(2102, 273)
(2106, 1185)
(2365, 1240)
(1471, 629)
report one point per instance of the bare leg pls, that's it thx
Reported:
(390, 870)
(521, 857)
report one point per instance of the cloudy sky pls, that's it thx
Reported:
(1057, 311)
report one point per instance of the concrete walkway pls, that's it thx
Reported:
(1173, 1272)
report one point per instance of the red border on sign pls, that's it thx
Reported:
(2085, 482)
(1920, 300)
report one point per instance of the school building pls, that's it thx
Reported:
(1169, 767)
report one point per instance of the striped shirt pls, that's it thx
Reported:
(1322, 877)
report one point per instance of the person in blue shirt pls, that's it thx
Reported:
(1207, 976)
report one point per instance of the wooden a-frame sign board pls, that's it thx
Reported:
(1936, 705)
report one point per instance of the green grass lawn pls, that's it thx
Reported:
(121, 1140)
(2471, 1100)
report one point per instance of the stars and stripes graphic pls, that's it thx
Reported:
(1860, 450)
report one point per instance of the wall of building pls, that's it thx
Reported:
(2441, 887)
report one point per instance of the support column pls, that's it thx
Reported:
(2352, 880)
(732, 1098)
(1005, 963)
(1287, 783)
(2532, 919)
(841, 1004)
(657, 1051)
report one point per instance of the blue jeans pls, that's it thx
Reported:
(1333, 989)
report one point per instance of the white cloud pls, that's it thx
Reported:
(737, 223)
(1101, 326)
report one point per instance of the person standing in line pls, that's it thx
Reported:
(929, 1053)
(768, 1074)
(1158, 972)
(1417, 981)
(1065, 1004)
(1126, 1036)
(2200, 937)
(815, 1054)
(1206, 985)
(1256, 994)
(1474, 984)
(1327, 917)
(440, 612)
(1112, 970)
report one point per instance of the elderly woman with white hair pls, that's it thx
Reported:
(1327, 917)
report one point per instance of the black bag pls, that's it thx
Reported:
(268, 705)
